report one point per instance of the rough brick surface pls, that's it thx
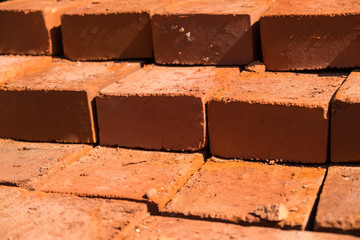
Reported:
(177, 228)
(345, 117)
(56, 104)
(233, 191)
(159, 107)
(273, 116)
(32, 27)
(311, 34)
(153, 177)
(17, 66)
(206, 32)
(339, 209)
(26, 164)
(109, 30)
(34, 215)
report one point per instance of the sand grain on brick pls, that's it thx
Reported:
(152, 177)
(34, 215)
(176, 228)
(56, 104)
(234, 190)
(311, 34)
(339, 209)
(160, 107)
(207, 33)
(280, 116)
(345, 117)
(32, 27)
(109, 29)
(24, 164)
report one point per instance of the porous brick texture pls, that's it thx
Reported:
(160, 107)
(177, 228)
(345, 117)
(152, 177)
(281, 116)
(36, 215)
(311, 34)
(26, 164)
(339, 209)
(250, 193)
(109, 29)
(207, 33)
(32, 27)
(56, 104)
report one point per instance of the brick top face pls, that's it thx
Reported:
(213, 7)
(152, 80)
(66, 75)
(35, 5)
(109, 6)
(314, 7)
(283, 88)
(6, 61)
(350, 90)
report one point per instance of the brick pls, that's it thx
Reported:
(345, 114)
(17, 66)
(155, 227)
(234, 190)
(339, 209)
(159, 107)
(32, 27)
(36, 215)
(298, 35)
(280, 116)
(207, 33)
(151, 177)
(56, 104)
(109, 30)
(26, 164)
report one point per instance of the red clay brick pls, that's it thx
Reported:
(36, 215)
(17, 66)
(345, 117)
(280, 116)
(32, 27)
(339, 209)
(159, 107)
(207, 33)
(26, 164)
(311, 34)
(56, 104)
(176, 228)
(237, 190)
(152, 177)
(109, 30)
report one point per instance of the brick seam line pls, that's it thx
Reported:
(68, 159)
(328, 152)
(311, 220)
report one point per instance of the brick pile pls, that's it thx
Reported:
(157, 119)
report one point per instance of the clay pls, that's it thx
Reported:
(339, 209)
(204, 32)
(159, 107)
(102, 30)
(151, 177)
(32, 27)
(56, 104)
(27, 164)
(35, 215)
(298, 35)
(273, 116)
(155, 227)
(345, 116)
(233, 190)
(257, 67)
(17, 66)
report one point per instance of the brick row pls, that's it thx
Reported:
(294, 36)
